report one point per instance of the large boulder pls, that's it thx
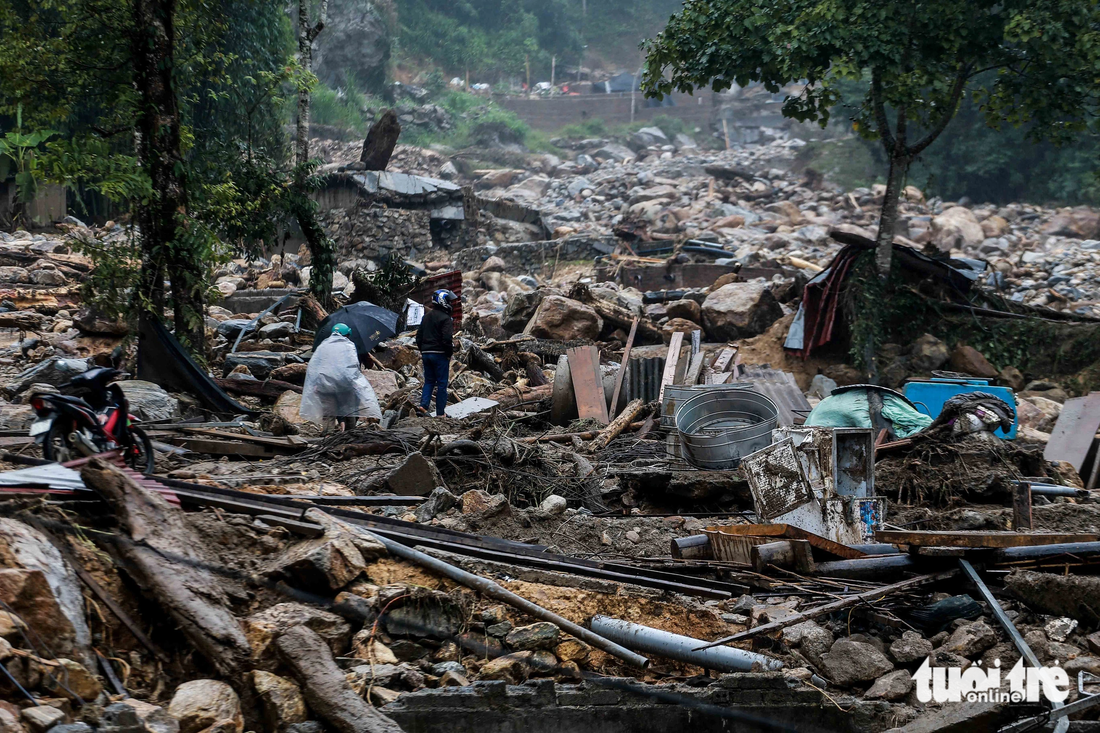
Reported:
(956, 228)
(927, 353)
(355, 47)
(563, 319)
(740, 310)
(149, 401)
(520, 308)
(1080, 222)
(40, 587)
(264, 627)
(91, 321)
(968, 360)
(200, 704)
(54, 372)
(851, 662)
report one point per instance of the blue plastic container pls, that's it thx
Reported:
(929, 395)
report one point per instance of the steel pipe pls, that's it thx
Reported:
(680, 648)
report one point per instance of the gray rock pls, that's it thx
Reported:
(851, 662)
(310, 726)
(928, 353)
(893, 686)
(232, 326)
(541, 635)
(430, 614)
(740, 310)
(416, 476)
(55, 372)
(578, 184)
(278, 330)
(821, 386)
(554, 504)
(910, 648)
(439, 501)
(441, 668)
(149, 401)
(970, 640)
(355, 47)
(1059, 629)
(259, 363)
(814, 642)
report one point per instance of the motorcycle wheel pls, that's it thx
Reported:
(56, 446)
(141, 457)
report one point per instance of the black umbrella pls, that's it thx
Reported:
(370, 325)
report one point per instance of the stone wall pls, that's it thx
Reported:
(610, 706)
(535, 257)
(362, 231)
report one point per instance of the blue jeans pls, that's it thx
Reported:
(436, 373)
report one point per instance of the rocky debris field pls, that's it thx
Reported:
(262, 578)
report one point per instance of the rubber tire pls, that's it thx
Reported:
(59, 428)
(141, 439)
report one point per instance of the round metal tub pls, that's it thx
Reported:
(718, 428)
(675, 394)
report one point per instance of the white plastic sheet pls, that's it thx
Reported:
(334, 386)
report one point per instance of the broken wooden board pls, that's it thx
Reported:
(622, 367)
(932, 538)
(1073, 434)
(671, 362)
(784, 531)
(584, 370)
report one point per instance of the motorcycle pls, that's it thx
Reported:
(70, 426)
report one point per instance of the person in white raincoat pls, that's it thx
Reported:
(335, 390)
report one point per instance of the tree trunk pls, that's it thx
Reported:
(321, 248)
(169, 562)
(899, 167)
(159, 151)
(324, 686)
(305, 94)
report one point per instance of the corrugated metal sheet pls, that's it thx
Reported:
(780, 388)
(643, 378)
(444, 281)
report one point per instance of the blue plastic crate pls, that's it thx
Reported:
(929, 396)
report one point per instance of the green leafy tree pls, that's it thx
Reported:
(19, 155)
(1039, 61)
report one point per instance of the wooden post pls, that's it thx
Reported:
(726, 132)
(553, 68)
(622, 367)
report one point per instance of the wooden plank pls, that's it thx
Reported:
(790, 532)
(1073, 434)
(931, 538)
(289, 443)
(622, 367)
(226, 448)
(722, 361)
(871, 595)
(696, 366)
(584, 370)
(671, 361)
(1021, 506)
